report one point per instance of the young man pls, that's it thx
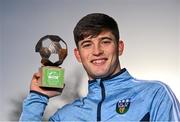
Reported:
(114, 95)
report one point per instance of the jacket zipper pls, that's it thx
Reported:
(100, 103)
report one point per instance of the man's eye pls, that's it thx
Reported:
(86, 45)
(106, 42)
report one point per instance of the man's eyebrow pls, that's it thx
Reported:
(106, 38)
(84, 41)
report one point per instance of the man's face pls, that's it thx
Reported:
(99, 55)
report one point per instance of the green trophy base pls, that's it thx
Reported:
(52, 77)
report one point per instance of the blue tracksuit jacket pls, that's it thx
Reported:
(117, 98)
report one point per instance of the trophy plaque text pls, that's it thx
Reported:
(50, 48)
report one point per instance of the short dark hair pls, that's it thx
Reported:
(93, 24)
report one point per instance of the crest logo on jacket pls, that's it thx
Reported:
(122, 106)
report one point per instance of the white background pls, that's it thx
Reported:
(150, 29)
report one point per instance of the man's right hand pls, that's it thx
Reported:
(50, 92)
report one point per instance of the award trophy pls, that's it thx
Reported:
(50, 48)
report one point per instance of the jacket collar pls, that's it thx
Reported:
(109, 77)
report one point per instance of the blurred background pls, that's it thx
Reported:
(149, 28)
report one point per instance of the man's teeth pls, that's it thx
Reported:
(98, 61)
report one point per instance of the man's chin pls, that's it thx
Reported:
(100, 76)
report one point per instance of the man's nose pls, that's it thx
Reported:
(97, 50)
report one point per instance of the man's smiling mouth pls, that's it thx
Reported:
(99, 61)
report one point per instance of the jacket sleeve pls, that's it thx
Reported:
(165, 106)
(33, 107)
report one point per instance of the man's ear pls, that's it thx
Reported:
(77, 55)
(121, 47)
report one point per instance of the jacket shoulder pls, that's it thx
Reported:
(67, 111)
